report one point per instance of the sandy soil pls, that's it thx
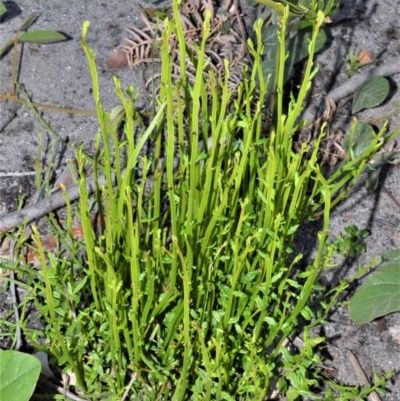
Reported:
(57, 75)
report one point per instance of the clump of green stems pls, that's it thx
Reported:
(191, 291)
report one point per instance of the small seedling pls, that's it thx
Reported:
(39, 36)
(356, 60)
(351, 243)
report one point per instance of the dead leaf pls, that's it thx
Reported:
(117, 61)
(365, 57)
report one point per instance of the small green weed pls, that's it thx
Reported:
(355, 60)
(37, 36)
(351, 244)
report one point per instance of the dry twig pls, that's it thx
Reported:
(361, 375)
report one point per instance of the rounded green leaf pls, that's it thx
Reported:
(370, 94)
(19, 373)
(380, 294)
(41, 36)
(359, 139)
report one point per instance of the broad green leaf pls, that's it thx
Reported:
(380, 294)
(3, 8)
(391, 256)
(359, 140)
(370, 94)
(41, 36)
(19, 373)
(29, 21)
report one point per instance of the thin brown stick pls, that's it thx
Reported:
(46, 205)
(133, 378)
(395, 201)
(361, 375)
(47, 107)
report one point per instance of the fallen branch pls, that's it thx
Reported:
(47, 205)
(350, 86)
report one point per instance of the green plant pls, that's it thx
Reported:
(191, 289)
(359, 138)
(302, 8)
(355, 60)
(19, 373)
(351, 244)
(370, 94)
(36, 36)
(380, 294)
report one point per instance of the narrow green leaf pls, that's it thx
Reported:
(3, 8)
(19, 373)
(29, 21)
(41, 36)
(250, 276)
(5, 47)
(380, 294)
(370, 94)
